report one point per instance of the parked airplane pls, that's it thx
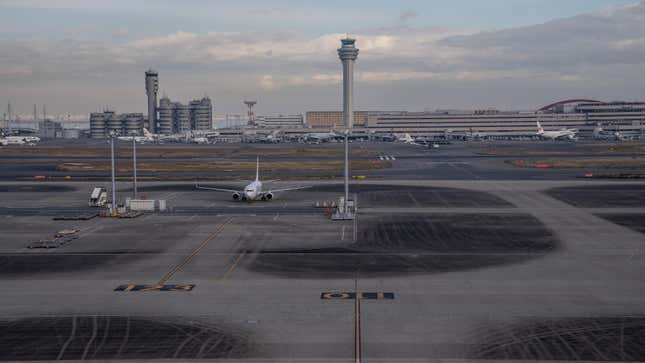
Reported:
(571, 134)
(19, 140)
(600, 134)
(31, 139)
(137, 139)
(321, 136)
(273, 137)
(189, 137)
(253, 191)
(199, 140)
(408, 139)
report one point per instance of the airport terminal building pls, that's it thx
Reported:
(582, 115)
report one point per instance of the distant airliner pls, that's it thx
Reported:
(407, 139)
(252, 191)
(570, 134)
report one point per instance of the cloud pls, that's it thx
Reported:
(407, 15)
(601, 48)
(267, 83)
(15, 70)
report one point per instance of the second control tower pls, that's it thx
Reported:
(152, 87)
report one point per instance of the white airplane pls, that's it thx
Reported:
(14, 140)
(31, 139)
(147, 137)
(571, 134)
(321, 136)
(252, 191)
(199, 140)
(407, 139)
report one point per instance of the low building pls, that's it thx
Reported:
(50, 129)
(330, 119)
(280, 121)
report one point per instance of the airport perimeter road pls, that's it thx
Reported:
(458, 270)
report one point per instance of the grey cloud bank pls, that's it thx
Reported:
(597, 55)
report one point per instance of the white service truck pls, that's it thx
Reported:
(98, 198)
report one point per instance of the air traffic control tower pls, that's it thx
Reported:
(152, 87)
(348, 53)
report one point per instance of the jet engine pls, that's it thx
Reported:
(236, 196)
(268, 196)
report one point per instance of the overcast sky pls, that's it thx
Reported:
(79, 56)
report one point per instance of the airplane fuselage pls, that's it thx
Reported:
(253, 191)
(570, 134)
(559, 134)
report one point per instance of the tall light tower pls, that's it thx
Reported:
(250, 105)
(348, 54)
(152, 87)
(9, 117)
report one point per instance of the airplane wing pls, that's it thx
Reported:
(218, 189)
(287, 189)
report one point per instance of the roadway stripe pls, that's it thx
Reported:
(233, 266)
(357, 328)
(195, 252)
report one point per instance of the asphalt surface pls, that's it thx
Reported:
(458, 161)
(505, 269)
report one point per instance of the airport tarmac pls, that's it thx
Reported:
(448, 270)
(458, 161)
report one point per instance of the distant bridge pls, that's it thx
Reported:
(559, 103)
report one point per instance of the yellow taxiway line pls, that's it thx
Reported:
(194, 253)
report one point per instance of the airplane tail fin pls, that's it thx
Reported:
(146, 133)
(540, 129)
(257, 169)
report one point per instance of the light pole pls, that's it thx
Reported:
(113, 204)
(134, 165)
